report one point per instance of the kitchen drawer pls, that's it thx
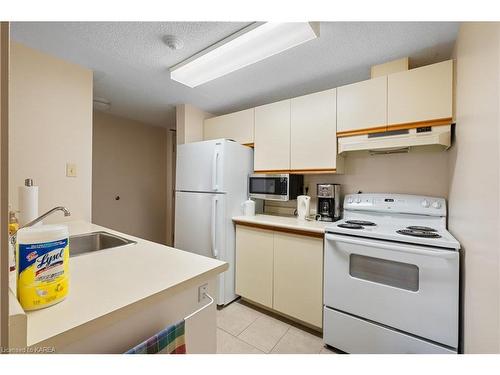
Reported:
(358, 336)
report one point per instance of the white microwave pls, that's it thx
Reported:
(276, 187)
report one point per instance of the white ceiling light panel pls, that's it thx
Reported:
(248, 46)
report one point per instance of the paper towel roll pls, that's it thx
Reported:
(28, 204)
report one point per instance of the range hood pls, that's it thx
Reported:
(397, 140)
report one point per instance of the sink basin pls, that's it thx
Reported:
(95, 241)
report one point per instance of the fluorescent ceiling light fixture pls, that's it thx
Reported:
(248, 46)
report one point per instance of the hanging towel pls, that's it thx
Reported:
(168, 341)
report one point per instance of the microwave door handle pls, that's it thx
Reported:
(213, 229)
(215, 162)
(445, 254)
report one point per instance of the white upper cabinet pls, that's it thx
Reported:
(314, 132)
(237, 126)
(362, 105)
(421, 94)
(272, 137)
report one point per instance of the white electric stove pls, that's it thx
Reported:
(391, 276)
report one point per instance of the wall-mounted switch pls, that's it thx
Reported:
(70, 170)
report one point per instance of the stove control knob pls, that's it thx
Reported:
(436, 204)
(349, 200)
(358, 200)
(425, 203)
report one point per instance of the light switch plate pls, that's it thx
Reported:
(70, 170)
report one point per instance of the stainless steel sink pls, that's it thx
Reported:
(95, 241)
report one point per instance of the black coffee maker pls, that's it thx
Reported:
(328, 202)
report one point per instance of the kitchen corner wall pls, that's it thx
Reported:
(50, 124)
(474, 202)
(189, 123)
(130, 161)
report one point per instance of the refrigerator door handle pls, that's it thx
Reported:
(213, 232)
(215, 163)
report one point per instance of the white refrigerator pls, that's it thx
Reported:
(211, 184)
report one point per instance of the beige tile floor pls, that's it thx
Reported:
(245, 329)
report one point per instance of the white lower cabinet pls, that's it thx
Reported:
(298, 277)
(281, 271)
(254, 264)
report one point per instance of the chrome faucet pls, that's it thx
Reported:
(40, 218)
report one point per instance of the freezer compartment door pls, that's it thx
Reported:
(199, 166)
(199, 223)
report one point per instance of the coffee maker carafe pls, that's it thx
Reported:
(328, 202)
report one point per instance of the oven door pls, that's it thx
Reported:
(270, 187)
(407, 287)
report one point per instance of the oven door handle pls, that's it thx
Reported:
(445, 254)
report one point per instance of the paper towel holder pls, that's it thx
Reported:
(28, 182)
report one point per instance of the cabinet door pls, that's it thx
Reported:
(254, 264)
(272, 137)
(237, 126)
(314, 131)
(298, 277)
(420, 94)
(362, 105)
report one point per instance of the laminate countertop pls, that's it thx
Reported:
(284, 223)
(102, 282)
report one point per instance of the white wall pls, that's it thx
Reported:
(50, 125)
(474, 182)
(129, 160)
(189, 123)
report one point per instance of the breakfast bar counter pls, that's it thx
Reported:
(142, 282)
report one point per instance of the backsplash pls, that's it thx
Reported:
(422, 171)
(281, 208)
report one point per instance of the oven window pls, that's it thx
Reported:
(382, 271)
(266, 185)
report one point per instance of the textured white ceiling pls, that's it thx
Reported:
(130, 61)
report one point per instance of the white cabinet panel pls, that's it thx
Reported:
(282, 271)
(298, 277)
(254, 264)
(237, 126)
(314, 131)
(421, 94)
(362, 105)
(272, 137)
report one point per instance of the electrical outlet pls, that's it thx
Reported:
(70, 170)
(202, 291)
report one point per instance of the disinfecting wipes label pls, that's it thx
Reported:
(46, 258)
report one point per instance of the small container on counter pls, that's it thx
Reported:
(42, 266)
